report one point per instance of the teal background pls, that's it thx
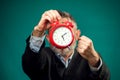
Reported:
(97, 19)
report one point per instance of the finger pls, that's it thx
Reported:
(82, 47)
(86, 39)
(44, 20)
(57, 15)
(50, 15)
(82, 42)
(47, 13)
(81, 51)
(54, 15)
(85, 48)
(48, 18)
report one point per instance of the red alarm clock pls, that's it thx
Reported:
(61, 35)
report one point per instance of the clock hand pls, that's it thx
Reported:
(63, 36)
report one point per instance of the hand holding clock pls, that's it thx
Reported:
(44, 23)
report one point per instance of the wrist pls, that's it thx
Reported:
(38, 33)
(94, 61)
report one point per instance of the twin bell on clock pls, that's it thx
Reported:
(61, 35)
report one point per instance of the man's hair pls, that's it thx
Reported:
(64, 14)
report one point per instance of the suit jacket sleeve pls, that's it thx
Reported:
(31, 61)
(102, 74)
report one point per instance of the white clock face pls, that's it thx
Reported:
(62, 36)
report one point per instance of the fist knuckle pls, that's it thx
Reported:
(89, 42)
(87, 47)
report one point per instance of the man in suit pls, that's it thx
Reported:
(78, 61)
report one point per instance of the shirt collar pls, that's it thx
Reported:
(61, 57)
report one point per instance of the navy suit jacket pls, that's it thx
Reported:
(45, 65)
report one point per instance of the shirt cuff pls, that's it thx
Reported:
(36, 43)
(96, 68)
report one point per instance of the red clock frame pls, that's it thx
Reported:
(56, 25)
